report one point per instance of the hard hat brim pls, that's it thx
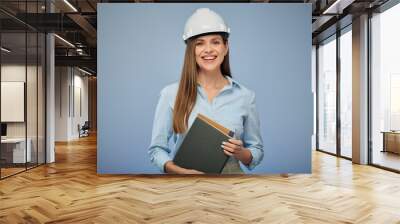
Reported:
(224, 34)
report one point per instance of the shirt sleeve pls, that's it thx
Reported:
(251, 136)
(161, 133)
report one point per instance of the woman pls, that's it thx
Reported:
(207, 87)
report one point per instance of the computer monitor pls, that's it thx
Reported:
(3, 129)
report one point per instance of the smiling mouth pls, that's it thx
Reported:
(209, 58)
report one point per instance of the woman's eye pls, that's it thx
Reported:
(199, 43)
(216, 42)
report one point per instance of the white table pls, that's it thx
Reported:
(18, 145)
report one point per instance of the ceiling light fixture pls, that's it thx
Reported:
(5, 50)
(84, 71)
(79, 51)
(65, 41)
(70, 5)
(338, 6)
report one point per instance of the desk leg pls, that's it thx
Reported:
(384, 142)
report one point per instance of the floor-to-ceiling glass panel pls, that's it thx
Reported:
(32, 95)
(14, 153)
(346, 92)
(327, 95)
(33, 82)
(385, 88)
(22, 87)
(41, 98)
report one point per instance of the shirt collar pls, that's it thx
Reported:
(232, 84)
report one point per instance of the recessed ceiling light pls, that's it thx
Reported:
(70, 5)
(5, 50)
(337, 7)
(84, 71)
(64, 40)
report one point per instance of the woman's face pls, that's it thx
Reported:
(210, 51)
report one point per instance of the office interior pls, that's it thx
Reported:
(48, 82)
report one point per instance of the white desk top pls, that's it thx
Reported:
(13, 140)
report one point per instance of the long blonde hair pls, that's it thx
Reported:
(187, 91)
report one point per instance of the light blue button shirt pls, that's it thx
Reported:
(234, 107)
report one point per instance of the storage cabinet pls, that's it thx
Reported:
(391, 142)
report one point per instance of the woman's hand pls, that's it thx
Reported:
(170, 167)
(235, 148)
(190, 171)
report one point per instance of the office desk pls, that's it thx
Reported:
(391, 141)
(13, 150)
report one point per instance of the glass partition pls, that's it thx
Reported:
(31, 100)
(13, 109)
(41, 87)
(22, 78)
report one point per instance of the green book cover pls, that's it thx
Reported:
(201, 148)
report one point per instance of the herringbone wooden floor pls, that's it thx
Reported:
(70, 191)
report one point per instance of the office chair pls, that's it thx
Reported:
(84, 130)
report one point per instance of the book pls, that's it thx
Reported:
(201, 148)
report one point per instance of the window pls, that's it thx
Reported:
(327, 95)
(385, 88)
(346, 92)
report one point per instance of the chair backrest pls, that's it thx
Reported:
(86, 125)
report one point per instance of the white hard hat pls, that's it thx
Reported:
(202, 21)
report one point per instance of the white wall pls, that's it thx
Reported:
(79, 112)
(70, 84)
(12, 73)
(15, 72)
(62, 81)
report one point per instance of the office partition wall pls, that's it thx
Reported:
(22, 88)
(13, 79)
